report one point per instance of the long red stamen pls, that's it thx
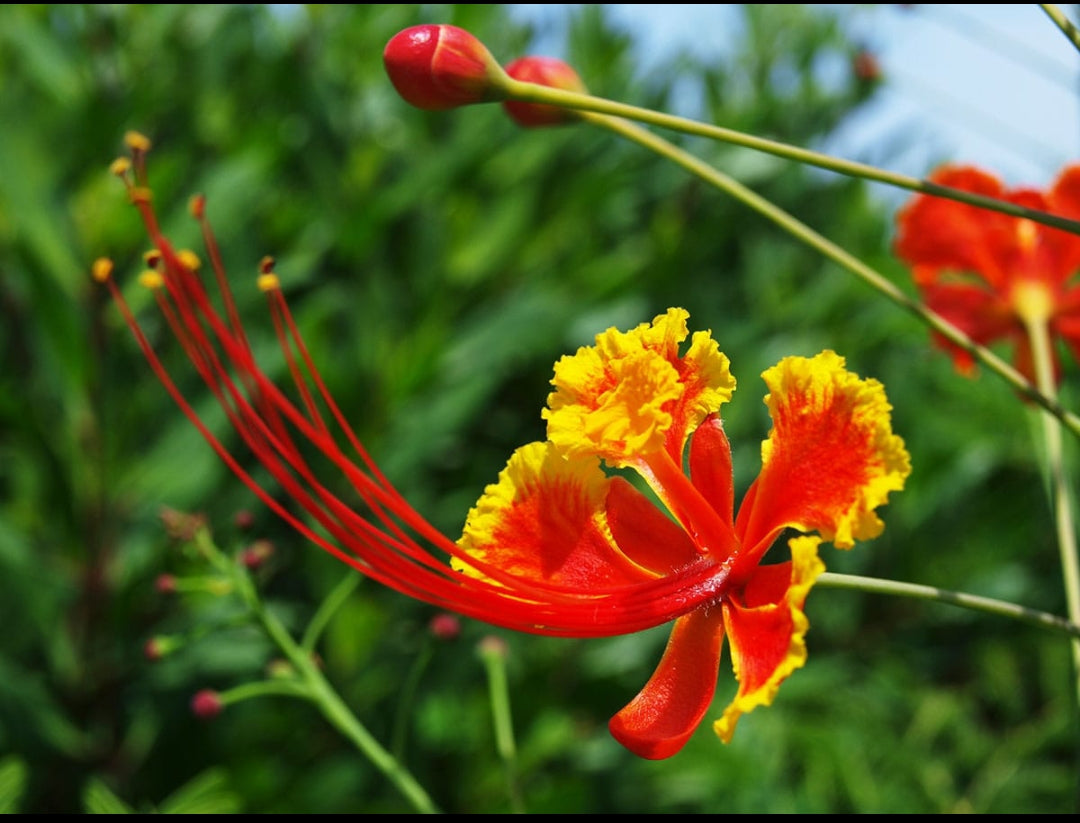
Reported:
(389, 540)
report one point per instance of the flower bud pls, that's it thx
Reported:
(442, 67)
(544, 71)
(257, 554)
(865, 67)
(206, 704)
(445, 626)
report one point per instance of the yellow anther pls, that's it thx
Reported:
(137, 142)
(1026, 233)
(151, 279)
(102, 269)
(120, 166)
(152, 258)
(266, 265)
(267, 281)
(188, 259)
(1033, 301)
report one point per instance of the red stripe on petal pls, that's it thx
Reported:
(831, 458)
(544, 521)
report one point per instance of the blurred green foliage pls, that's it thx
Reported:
(438, 264)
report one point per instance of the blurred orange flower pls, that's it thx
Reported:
(992, 275)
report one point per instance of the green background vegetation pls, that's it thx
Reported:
(438, 265)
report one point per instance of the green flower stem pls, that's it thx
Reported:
(1063, 22)
(264, 688)
(987, 605)
(839, 255)
(407, 698)
(493, 652)
(1042, 355)
(535, 93)
(318, 688)
(333, 601)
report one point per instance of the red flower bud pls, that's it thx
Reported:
(445, 626)
(442, 67)
(165, 584)
(257, 553)
(206, 704)
(544, 71)
(866, 67)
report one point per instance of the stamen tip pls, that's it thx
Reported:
(102, 269)
(151, 279)
(137, 141)
(268, 281)
(120, 166)
(188, 259)
(197, 206)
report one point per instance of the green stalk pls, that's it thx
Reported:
(317, 687)
(1060, 500)
(986, 605)
(493, 652)
(535, 93)
(839, 255)
(334, 601)
(1063, 22)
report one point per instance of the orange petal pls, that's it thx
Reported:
(830, 459)
(544, 520)
(767, 629)
(945, 234)
(658, 722)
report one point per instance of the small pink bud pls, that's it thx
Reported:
(866, 67)
(493, 647)
(182, 525)
(257, 553)
(154, 649)
(442, 67)
(445, 626)
(165, 584)
(243, 519)
(544, 71)
(206, 704)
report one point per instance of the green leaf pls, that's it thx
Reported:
(99, 799)
(206, 793)
(13, 774)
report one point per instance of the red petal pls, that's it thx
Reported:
(767, 628)
(644, 533)
(658, 722)
(710, 466)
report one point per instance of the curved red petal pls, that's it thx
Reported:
(658, 722)
(767, 629)
(644, 533)
(710, 466)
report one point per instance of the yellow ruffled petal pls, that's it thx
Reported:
(544, 521)
(766, 629)
(831, 457)
(631, 394)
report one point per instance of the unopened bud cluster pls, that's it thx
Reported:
(437, 67)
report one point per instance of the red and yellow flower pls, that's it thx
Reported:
(992, 275)
(635, 401)
(557, 546)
